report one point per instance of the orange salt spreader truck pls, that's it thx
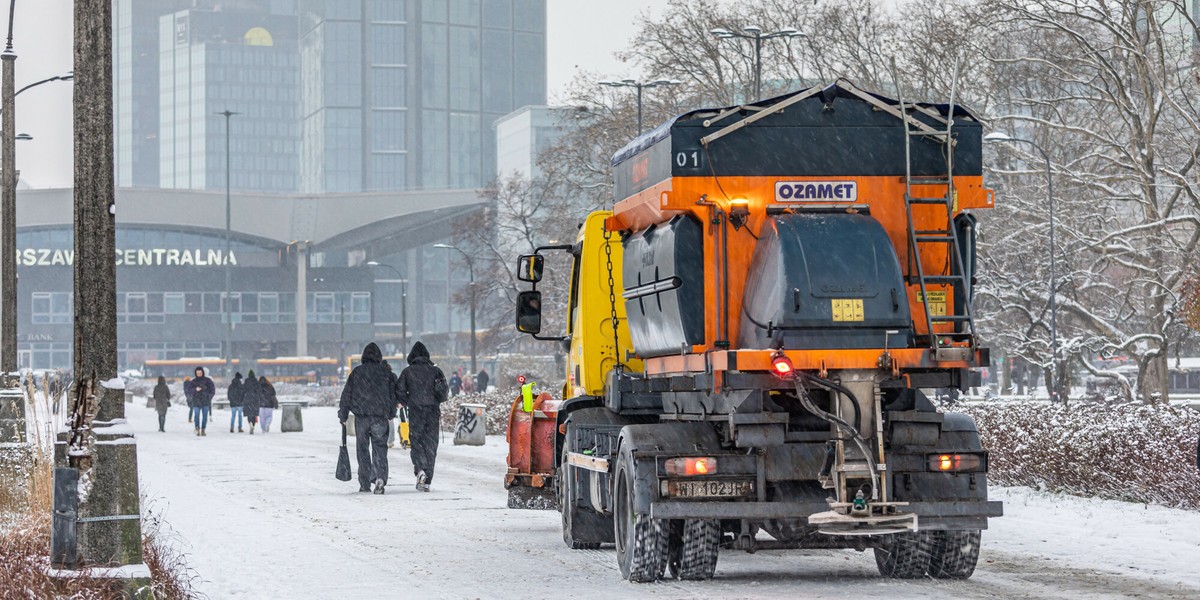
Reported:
(750, 332)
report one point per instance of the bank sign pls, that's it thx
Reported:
(150, 257)
(816, 191)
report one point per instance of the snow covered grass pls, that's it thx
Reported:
(1130, 452)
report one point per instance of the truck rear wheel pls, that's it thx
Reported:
(582, 529)
(953, 554)
(903, 555)
(701, 545)
(641, 541)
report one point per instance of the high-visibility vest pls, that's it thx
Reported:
(527, 396)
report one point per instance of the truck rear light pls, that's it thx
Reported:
(782, 365)
(688, 467)
(957, 463)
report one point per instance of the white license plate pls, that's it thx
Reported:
(710, 488)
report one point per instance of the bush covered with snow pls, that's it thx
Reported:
(498, 403)
(1131, 452)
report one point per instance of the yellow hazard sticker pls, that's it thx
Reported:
(937, 303)
(848, 309)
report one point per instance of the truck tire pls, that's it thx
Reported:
(641, 541)
(701, 545)
(903, 555)
(582, 529)
(953, 554)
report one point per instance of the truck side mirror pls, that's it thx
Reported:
(529, 267)
(529, 312)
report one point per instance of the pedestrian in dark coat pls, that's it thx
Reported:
(188, 392)
(422, 388)
(251, 399)
(203, 391)
(235, 395)
(370, 395)
(481, 381)
(269, 403)
(162, 401)
(455, 383)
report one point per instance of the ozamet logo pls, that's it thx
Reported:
(816, 191)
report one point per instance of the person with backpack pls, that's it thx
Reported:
(370, 395)
(422, 388)
(235, 395)
(162, 401)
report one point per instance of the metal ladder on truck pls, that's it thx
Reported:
(959, 277)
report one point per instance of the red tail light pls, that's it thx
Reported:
(782, 365)
(958, 463)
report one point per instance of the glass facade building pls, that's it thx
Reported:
(401, 94)
(243, 61)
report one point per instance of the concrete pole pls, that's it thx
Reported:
(95, 344)
(8, 206)
(302, 299)
(110, 524)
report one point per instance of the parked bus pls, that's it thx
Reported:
(177, 369)
(398, 362)
(299, 369)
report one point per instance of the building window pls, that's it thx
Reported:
(174, 303)
(51, 308)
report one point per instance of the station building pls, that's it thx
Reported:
(288, 255)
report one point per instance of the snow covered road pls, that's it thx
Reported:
(262, 516)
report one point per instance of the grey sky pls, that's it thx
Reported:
(581, 36)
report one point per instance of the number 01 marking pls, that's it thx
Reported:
(688, 159)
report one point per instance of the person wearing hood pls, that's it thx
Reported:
(422, 388)
(251, 399)
(268, 402)
(370, 395)
(202, 395)
(235, 395)
(162, 401)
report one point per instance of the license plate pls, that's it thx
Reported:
(709, 488)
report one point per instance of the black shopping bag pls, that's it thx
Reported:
(343, 466)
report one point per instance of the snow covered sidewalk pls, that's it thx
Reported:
(262, 516)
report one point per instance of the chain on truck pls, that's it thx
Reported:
(750, 330)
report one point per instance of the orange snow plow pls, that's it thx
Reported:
(531, 435)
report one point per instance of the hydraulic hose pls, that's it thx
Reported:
(807, 403)
(836, 387)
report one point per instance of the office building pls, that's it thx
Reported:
(242, 60)
(402, 94)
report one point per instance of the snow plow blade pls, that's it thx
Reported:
(531, 436)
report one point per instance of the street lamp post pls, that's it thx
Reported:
(639, 86)
(228, 248)
(403, 301)
(471, 272)
(755, 34)
(8, 196)
(995, 137)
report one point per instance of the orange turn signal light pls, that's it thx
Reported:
(689, 467)
(957, 463)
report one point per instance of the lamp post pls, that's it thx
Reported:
(403, 301)
(997, 137)
(471, 271)
(755, 34)
(228, 248)
(8, 197)
(639, 86)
